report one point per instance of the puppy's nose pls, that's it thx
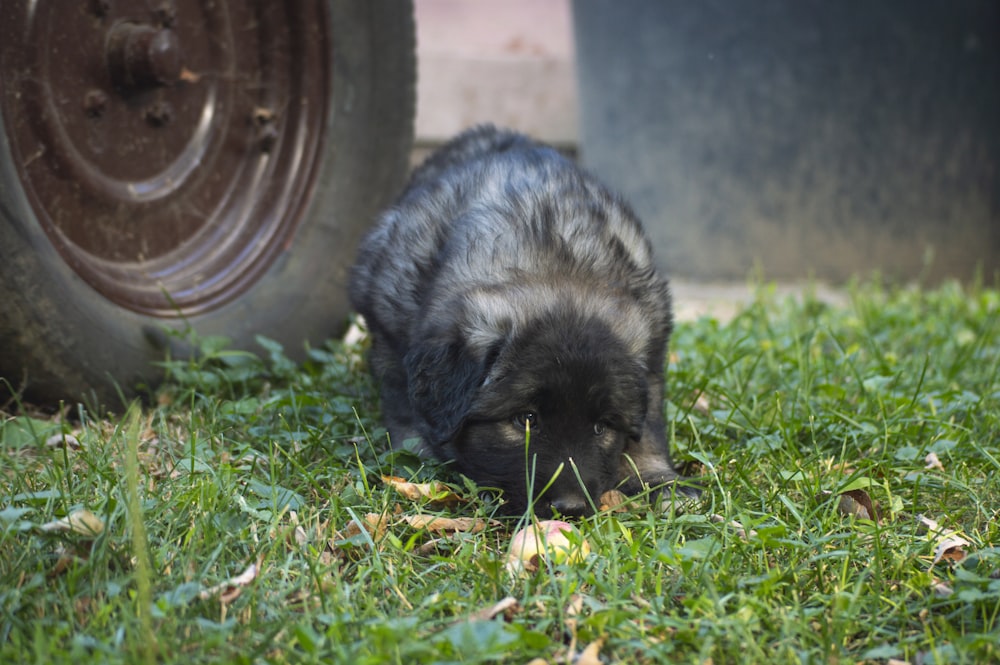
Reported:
(571, 506)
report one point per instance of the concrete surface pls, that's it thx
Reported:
(723, 300)
(878, 181)
(509, 63)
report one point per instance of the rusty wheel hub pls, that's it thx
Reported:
(167, 153)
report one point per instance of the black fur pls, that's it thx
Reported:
(507, 286)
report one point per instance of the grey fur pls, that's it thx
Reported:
(506, 281)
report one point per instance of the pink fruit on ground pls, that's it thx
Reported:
(547, 539)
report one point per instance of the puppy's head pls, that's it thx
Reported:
(547, 416)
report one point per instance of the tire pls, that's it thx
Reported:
(135, 199)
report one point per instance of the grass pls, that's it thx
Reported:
(272, 471)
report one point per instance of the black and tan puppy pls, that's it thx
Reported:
(506, 288)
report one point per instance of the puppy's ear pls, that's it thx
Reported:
(444, 377)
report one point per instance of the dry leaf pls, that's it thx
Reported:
(740, 530)
(613, 501)
(80, 521)
(355, 333)
(376, 524)
(436, 492)
(926, 524)
(592, 654)
(230, 590)
(63, 560)
(858, 504)
(438, 524)
(949, 546)
(508, 607)
(702, 404)
(951, 549)
(833, 465)
(941, 589)
(933, 462)
(573, 610)
(428, 548)
(63, 440)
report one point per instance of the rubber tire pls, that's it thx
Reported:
(61, 340)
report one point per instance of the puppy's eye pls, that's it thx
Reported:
(526, 419)
(600, 428)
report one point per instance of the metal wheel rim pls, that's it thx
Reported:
(168, 154)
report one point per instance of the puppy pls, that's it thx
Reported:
(518, 325)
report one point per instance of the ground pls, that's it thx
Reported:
(849, 447)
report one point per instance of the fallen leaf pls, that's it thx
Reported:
(80, 521)
(951, 549)
(613, 501)
(428, 548)
(739, 528)
(508, 607)
(941, 589)
(438, 524)
(932, 462)
(355, 333)
(573, 610)
(63, 441)
(926, 524)
(592, 654)
(845, 468)
(64, 558)
(230, 590)
(949, 545)
(702, 404)
(437, 493)
(857, 503)
(376, 524)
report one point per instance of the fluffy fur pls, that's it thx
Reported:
(508, 287)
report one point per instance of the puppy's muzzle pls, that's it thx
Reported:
(571, 506)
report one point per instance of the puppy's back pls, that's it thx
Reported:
(469, 146)
(494, 207)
